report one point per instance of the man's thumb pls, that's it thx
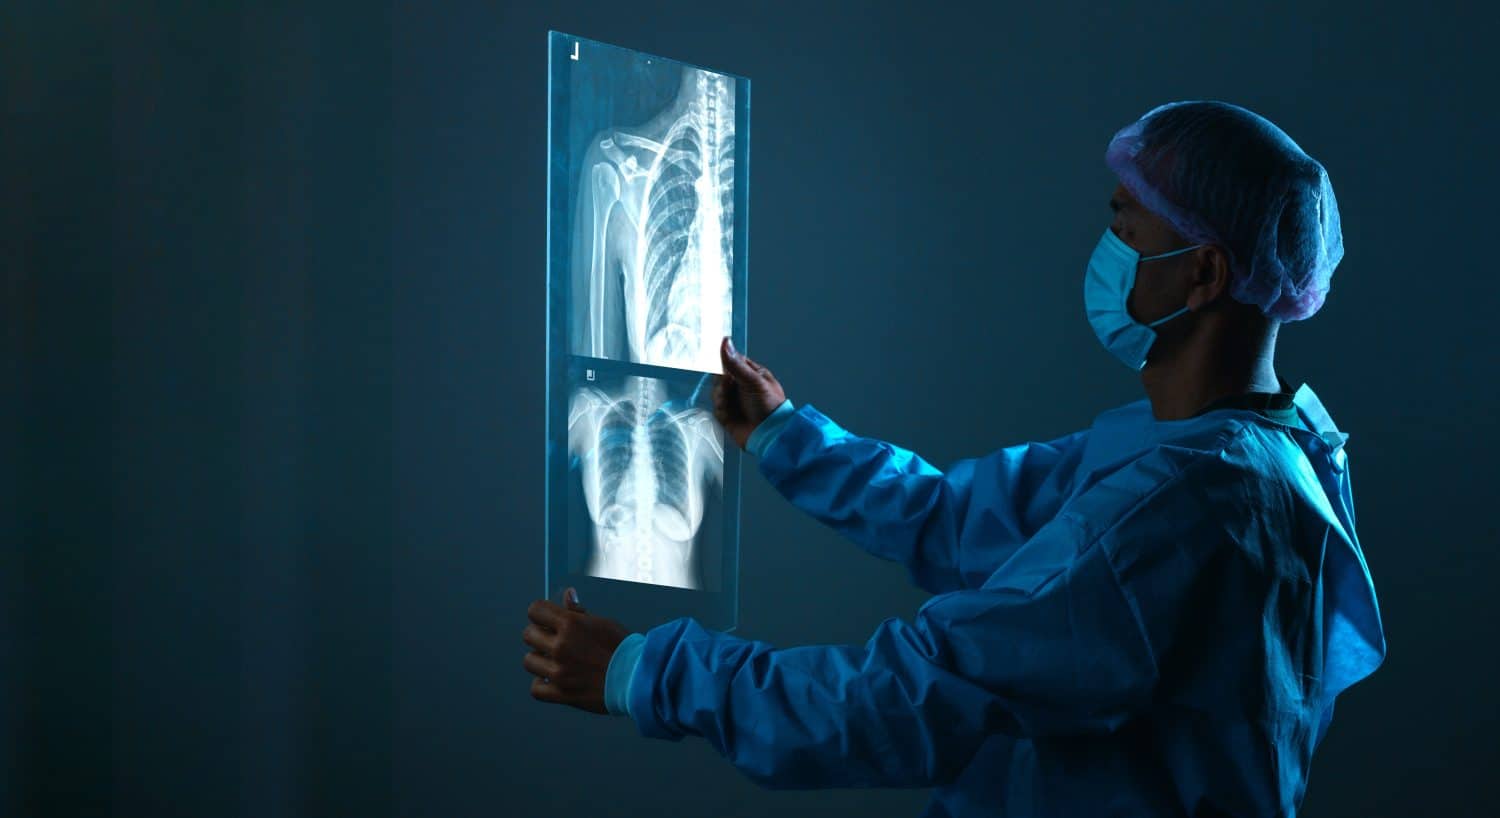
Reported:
(735, 364)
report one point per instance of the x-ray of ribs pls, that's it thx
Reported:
(663, 230)
(646, 464)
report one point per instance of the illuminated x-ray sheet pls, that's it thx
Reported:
(647, 228)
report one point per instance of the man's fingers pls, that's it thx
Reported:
(726, 391)
(545, 691)
(738, 369)
(726, 400)
(545, 613)
(543, 667)
(539, 638)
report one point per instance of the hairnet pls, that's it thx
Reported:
(1223, 175)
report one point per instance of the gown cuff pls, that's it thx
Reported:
(769, 429)
(621, 670)
(651, 715)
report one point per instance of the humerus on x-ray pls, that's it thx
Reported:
(647, 214)
(653, 232)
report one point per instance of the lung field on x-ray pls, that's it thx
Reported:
(649, 460)
(653, 232)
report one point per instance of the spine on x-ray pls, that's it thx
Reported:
(641, 483)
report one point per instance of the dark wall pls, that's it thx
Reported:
(272, 325)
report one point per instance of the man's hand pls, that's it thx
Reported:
(570, 652)
(746, 394)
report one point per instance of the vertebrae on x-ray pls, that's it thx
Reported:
(646, 464)
(663, 217)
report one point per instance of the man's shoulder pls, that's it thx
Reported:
(1181, 473)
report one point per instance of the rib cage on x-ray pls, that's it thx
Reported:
(645, 462)
(656, 216)
(647, 231)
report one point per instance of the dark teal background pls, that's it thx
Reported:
(272, 325)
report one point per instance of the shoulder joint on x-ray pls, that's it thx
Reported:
(674, 181)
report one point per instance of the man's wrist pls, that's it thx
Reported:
(769, 429)
(617, 677)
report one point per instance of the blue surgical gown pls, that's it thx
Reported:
(1141, 618)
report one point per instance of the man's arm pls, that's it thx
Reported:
(910, 707)
(887, 499)
(1062, 640)
(895, 505)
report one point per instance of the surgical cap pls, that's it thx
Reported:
(1223, 175)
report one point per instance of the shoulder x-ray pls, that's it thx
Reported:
(646, 273)
(653, 231)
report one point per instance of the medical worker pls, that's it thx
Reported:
(1150, 616)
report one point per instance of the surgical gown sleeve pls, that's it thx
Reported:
(949, 529)
(1057, 642)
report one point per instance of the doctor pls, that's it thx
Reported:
(1151, 616)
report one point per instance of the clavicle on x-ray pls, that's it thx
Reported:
(647, 464)
(646, 274)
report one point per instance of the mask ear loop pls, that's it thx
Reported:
(1172, 253)
(1158, 322)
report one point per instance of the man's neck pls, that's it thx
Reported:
(1219, 363)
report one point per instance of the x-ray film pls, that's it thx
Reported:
(647, 230)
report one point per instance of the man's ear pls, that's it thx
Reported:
(1210, 273)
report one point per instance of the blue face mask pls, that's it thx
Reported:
(1106, 288)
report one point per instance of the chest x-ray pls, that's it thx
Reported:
(650, 461)
(653, 234)
(647, 214)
